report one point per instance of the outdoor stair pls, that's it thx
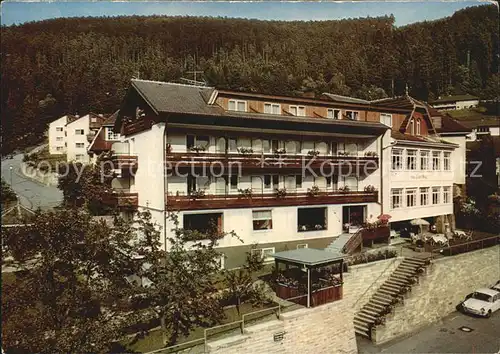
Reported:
(372, 313)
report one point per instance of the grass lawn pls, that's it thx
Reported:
(154, 339)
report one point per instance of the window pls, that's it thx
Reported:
(59, 148)
(235, 105)
(447, 161)
(271, 182)
(446, 195)
(79, 145)
(352, 115)
(234, 182)
(424, 160)
(59, 138)
(59, 129)
(418, 127)
(397, 159)
(311, 219)
(411, 197)
(436, 160)
(411, 159)
(298, 111)
(333, 113)
(332, 182)
(111, 135)
(435, 195)
(412, 127)
(197, 141)
(302, 245)
(79, 132)
(210, 223)
(93, 120)
(262, 220)
(264, 253)
(191, 184)
(396, 198)
(298, 181)
(272, 108)
(232, 144)
(424, 196)
(386, 118)
(78, 157)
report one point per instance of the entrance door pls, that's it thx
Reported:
(354, 215)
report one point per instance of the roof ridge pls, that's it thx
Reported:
(172, 83)
(351, 97)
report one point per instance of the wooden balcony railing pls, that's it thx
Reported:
(175, 202)
(124, 162)
(269, 161)
(121, 199)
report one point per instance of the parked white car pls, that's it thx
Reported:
(496, 286)
(483, 302)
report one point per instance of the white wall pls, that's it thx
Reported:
(73, 139)
(54, 143)
(467, 104)
(284, 221)
(458, 158)
(495, 131)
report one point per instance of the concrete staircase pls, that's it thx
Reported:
(388, 295)
(345, 243)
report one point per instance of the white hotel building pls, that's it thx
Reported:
(254, 148)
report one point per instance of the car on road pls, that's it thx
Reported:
(483, 302)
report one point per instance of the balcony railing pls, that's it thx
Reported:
(124, 162)
(216, 201)
(121, 199)
(205, 159)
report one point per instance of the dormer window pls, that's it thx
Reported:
(412, 127)
(272, 108)
(333, 113)
(418, 127)
(111, 135)
(236, 105)
(299, 111)
(352, 115)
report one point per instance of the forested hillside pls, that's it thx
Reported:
(81, 65)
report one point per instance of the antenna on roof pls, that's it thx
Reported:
(193, 82)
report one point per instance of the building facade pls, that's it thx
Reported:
(80, 132)
(58, 136)
(456, 102)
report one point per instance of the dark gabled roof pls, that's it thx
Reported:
(420, 139)
(344, 99)
(166, 97)
(454, 98)
(401, 102)
(110, 121)
(475, 122)
(450, 125)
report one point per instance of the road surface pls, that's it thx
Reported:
(446, 337)
(31, 194)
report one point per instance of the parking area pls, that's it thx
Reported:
(446, 337)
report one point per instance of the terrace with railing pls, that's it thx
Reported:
(121, 198)
(216, 201)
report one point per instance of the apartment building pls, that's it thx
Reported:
(427, 159)
(80, 133)
(281, 172)
(455, 102)
(58, 135)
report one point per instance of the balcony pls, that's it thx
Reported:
(121, 199)
(225, 201)
(271, 161)
(124, 162)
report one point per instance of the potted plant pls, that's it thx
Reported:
(245, 151)
(279, 152)
(370, 189)
(247, 192)
(197, 194)
(344, 189)
(313, 153)
(313, 191)
(280, 192)
(371, 154)
(197, 148)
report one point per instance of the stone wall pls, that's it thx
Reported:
(324, 329)
(46, 178)
(446, 283)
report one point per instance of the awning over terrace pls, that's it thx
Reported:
(328, 286)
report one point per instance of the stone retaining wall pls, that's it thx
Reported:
(324, 329)
(46, 178)
(446, 283)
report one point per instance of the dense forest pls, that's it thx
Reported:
(79, 65)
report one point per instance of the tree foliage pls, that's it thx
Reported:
(72, 275)
(8, 194)
(77, 65)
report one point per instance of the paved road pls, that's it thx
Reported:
(31, 194)
(446, 337)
